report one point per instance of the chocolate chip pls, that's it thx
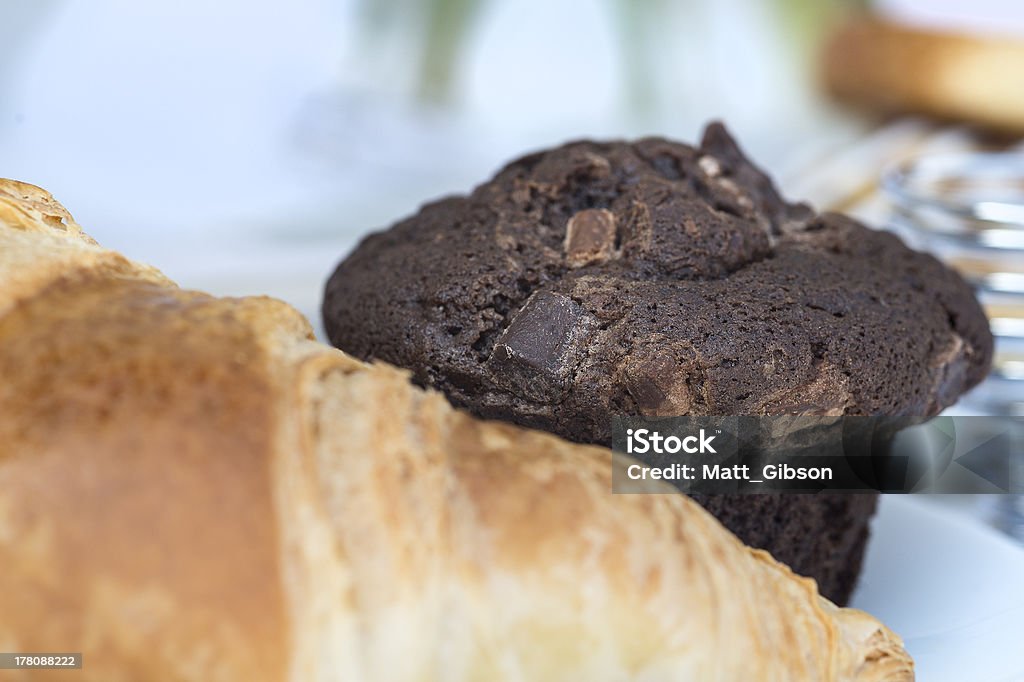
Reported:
(535, 355)
(658, 382)
(710, 166)
(590, 237)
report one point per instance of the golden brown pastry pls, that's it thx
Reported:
(896, 69)
(191, 488)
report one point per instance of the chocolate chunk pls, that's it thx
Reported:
(535, 355)
(590, 237)
(825, 394)
(710, 166)
(658, 379)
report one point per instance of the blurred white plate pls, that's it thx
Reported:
(951, 587)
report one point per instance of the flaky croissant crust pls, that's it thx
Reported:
(192, 488)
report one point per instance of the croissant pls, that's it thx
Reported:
(192, 488)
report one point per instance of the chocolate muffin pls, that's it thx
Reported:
(657, 278)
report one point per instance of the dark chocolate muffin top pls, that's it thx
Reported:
(655, 278)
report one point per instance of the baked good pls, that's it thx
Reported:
(878, 64)
(656, 278)
(191, 488)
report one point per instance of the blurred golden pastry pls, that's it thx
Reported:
(893, 68)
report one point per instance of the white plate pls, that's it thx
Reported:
(951, 587)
